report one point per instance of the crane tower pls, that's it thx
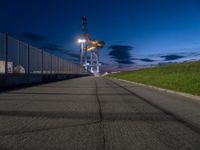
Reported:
(89, 51)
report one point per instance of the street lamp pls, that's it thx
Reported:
(81, 41)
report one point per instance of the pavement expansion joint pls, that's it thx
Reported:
(100, 115)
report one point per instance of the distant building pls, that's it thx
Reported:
(2, 67)
(19, 69)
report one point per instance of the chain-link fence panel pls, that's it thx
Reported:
(2, 53)
(23, 58)
(54, 64)
(35, 56)
(13, 55)
(46, 63)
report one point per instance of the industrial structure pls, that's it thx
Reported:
(89, 50)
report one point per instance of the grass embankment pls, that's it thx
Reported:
(183, 77)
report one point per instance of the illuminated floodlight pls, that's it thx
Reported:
(90, 48)
(81, 40)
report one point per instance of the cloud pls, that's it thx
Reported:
(43, 42)
(34, 37)
(172, 57)
(52, 47)
(75, 55)
(72, 54)
(121, 53)
(147, 60)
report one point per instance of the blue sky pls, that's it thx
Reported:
(136, 32)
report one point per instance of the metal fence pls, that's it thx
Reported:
(19, 57)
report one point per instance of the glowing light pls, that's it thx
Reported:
(81, 40)
(90, 48)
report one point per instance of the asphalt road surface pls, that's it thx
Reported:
(88, 114)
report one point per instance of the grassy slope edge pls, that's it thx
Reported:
(183, 77)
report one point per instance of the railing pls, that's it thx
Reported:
(17, 57)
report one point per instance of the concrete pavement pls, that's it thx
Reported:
(87, 114)
(184, 107)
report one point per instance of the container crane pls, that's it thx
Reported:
(89, 53)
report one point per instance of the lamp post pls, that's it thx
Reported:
(81, 41)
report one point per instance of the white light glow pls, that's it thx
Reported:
(81, 40)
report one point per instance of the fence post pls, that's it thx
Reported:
(58, 65)
(51, 65)
(18, 62)
(6, 52)
(28, 59)
(42, 61)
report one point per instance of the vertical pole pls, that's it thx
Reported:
(91, 58)
(86, 59)
(6, 52)
(91, 61)
(58, 65)
(67, 67)
(18, 59)
(51, 65)
(28, 59)
(81, 54)
(97, 60)
(42, 51)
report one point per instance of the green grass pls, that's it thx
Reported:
(183, 77)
